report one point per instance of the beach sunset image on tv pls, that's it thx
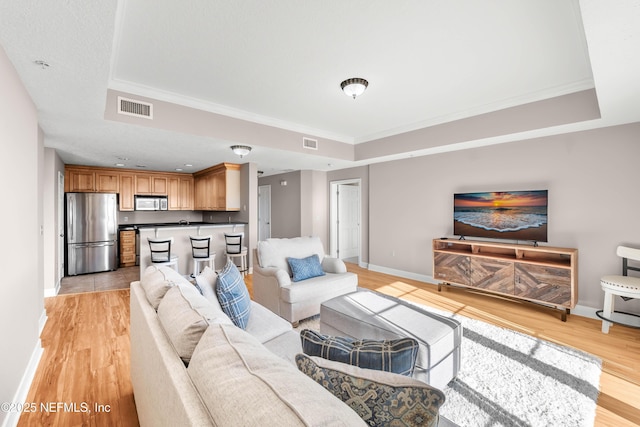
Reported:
(517, 215)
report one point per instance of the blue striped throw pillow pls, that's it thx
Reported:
(397, 355)
(233, 295)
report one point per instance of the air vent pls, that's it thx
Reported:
(132, 107)
(311, 144)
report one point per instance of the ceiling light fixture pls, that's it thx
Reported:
(354, 86)
(241, 150)
(43, 64)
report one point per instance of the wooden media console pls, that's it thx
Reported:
(544, 275)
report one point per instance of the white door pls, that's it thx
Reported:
(60, 228)
(348, 221)
(264, 212)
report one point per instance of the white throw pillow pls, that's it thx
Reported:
(207, 281)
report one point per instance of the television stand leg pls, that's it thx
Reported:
(564, 314)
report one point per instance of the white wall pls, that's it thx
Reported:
(21, 288)
(591, 176)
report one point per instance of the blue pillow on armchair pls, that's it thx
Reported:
(305, 268)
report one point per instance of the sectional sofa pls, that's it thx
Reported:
(191, 366)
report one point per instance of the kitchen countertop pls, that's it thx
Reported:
(178, 224)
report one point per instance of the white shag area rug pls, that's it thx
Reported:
(512, 379)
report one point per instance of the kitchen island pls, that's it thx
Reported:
(182, 244)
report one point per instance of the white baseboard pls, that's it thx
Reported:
(52, 292)
(402, 273)
(585, 311)
(25, 384)
(579, 310)
(42, 321)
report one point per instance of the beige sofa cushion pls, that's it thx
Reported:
(155, 285)
(232, 371)
(185, 315)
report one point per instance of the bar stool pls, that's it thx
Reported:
(624, 286)
(201, 253)
(161, 252)
(234, 249)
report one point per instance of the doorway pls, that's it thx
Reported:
(264, 212)
(61, 224)
(345, 220)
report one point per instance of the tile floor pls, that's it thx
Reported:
(119, 279)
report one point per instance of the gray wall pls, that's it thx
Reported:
(592, 180)
(314, 205)
(21, 289)
(286, 204)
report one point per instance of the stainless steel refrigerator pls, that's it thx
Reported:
(91, 232)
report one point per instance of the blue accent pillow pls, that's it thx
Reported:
(397, 355)
(233, 295)
(305, 268)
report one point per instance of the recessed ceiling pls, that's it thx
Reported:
(279, 64)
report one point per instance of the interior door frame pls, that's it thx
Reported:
(266, 186)
(333, 215)
(61, 230)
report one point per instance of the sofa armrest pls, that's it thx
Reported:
(333, 265)
(267, 282)
(280, 275)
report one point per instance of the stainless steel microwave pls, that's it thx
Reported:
(151, 203)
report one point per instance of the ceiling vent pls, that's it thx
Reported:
(311, 144)
(133, 107)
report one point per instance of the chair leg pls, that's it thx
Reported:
(608, 309)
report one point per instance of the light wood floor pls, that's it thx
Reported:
(86, 349)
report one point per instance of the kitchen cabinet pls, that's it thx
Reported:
(218, 188)
(127, 185)
(151, 184)
(88, 180)
(127, 248)
(180, 193)
(545, 275)
(107, 182)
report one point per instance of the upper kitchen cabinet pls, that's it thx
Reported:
(151, 184)
(90, 180)
(218, 188)
(180, 193)
(127, 186)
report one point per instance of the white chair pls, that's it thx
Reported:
(623, 286)
(201, 253)
(234, 249)
(161, 252)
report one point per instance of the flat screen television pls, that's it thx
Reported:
(516, 215)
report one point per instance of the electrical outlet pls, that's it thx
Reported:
(126, 218)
